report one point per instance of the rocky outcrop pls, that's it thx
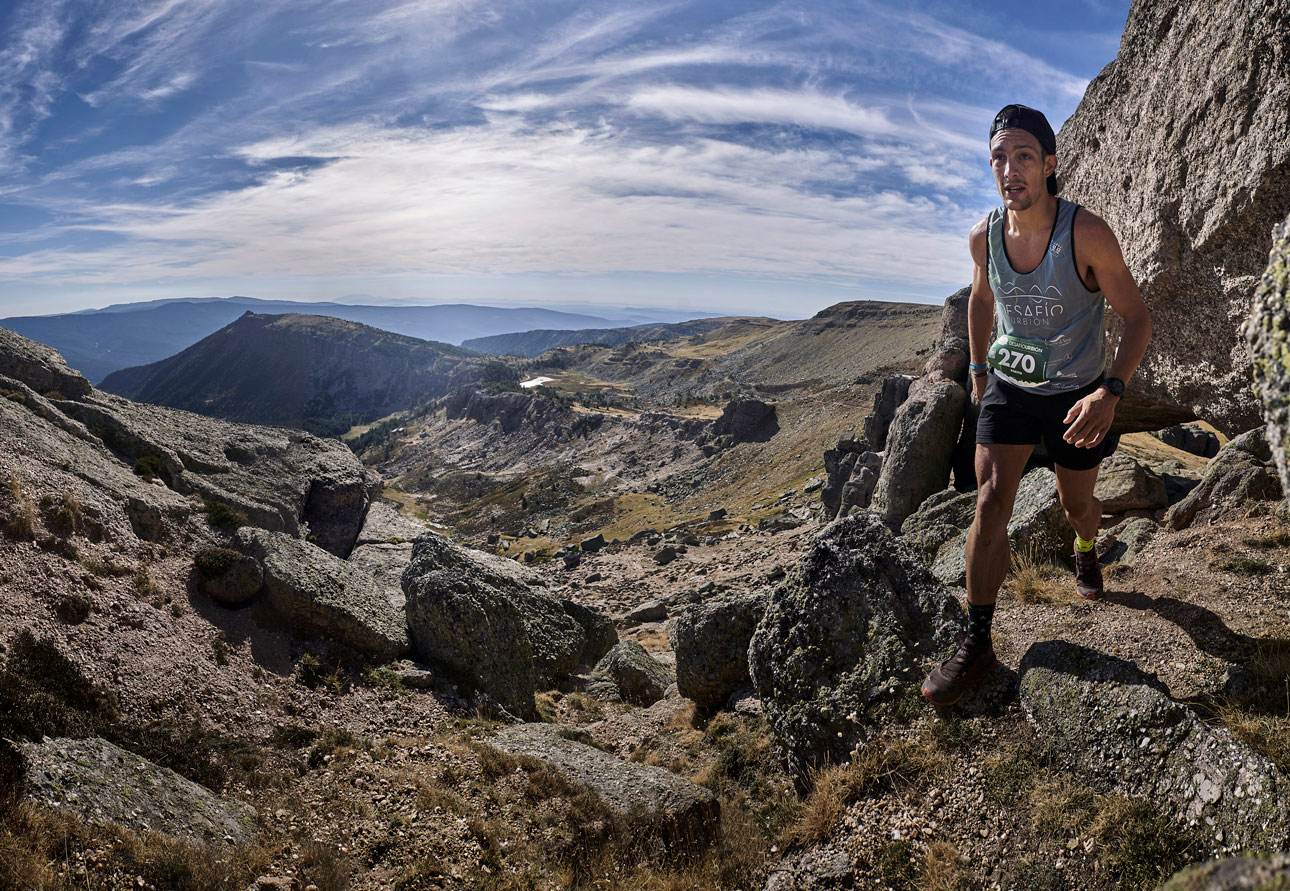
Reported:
(942, 518)
(1267, 333)
(316, 593)
(103, 784)
(1238, 477)
(1122, 543)
(385, 563)
(490, 620)
(1191, 438)
(747, 420)
(1118, 729)
(949, 360)
(40, 368)
(843, 636)
(1236, 874)
(1124, 484)
(636, 676)
(1038, 527)
(851, 472)
(894, 391)
(94, 443)
(920, 445)
(682, 814)
(1192, 171)
(711, 645)
(512, 412)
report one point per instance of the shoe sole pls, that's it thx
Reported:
(1091, 595)
(927, 694)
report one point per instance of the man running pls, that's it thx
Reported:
(1038, 366)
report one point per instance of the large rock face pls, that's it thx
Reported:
(842, 636)
(1182, 144)
(315, 592)
(919, 447)
(489, 619)
(1118, 728)
(1267, 332)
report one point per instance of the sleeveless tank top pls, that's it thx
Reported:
(1050, 305)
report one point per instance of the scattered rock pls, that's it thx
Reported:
(103, 784)
(638, 676)
(840, 641)
(1267, 334)
(1239, 476)
(920, 445)
(490, 619)
(665, 555)
(1038, 527)
(1191, 438)
(651, 611)
(1123, 484)
(711, 645)
(1123, 543)
(685, 815)
(1236, 874)
(593, 544)
(719, 514)
(385, 525)
(227, 576)
(1118, 728)
(317, 593)
(781, 523)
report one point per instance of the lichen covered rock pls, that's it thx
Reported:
(840, 639)
(711, 645)
(1238, 477)
(1267, 332)
(1120, 730)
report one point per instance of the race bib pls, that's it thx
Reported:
(1021, 362)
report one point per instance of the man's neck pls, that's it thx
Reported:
(1037, 219)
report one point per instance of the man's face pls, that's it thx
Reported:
(1020, 168)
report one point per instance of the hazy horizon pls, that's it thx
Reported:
(742, 157)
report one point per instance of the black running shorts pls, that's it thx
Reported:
(1011, 415)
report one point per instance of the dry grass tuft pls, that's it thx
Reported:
(20, 517)
(879, 766)
(943, 869)
(1033, 579)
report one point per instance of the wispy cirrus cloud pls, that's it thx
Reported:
(204, 141)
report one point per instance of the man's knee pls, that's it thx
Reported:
(993, 506)
(1079, 504)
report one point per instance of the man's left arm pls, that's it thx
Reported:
(1090, 418)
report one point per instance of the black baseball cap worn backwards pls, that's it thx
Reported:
(1022, 117)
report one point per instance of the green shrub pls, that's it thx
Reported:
(224, 516)
(213, 563)
(148, 467)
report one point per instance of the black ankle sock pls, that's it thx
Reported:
(980, 618)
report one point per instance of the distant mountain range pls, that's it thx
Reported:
(319, 373)
(534, 343)
(98, 342)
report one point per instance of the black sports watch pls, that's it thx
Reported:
(1114, 386)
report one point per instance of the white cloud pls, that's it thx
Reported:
(497, 200)
(807, 108)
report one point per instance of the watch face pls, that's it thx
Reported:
(1115, 385)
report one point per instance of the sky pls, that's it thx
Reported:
(751, 157)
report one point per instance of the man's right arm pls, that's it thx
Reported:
(980, 307)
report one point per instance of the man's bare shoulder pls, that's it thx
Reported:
(1092, 230)
(978, 238)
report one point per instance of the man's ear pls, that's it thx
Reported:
(1050, 165)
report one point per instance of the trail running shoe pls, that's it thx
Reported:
(1088, 575)
(955, 676)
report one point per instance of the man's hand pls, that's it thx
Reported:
(978, 388)
(1090, 419)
